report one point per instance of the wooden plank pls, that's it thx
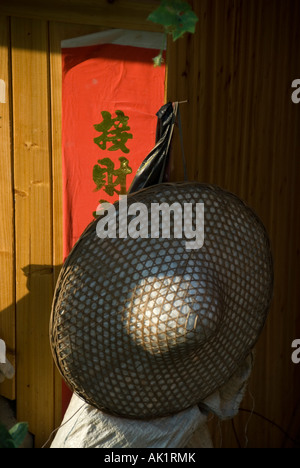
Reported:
(33, 216)
(122, 14)
(7, 293)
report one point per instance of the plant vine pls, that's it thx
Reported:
(177, 18)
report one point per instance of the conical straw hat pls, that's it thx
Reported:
(145, 328)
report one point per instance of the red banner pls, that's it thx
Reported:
(111, 94)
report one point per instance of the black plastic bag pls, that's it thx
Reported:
(153, 168)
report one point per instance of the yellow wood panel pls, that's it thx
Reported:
(7, 295)
(120, 14)
(33, 221)
(241, 131)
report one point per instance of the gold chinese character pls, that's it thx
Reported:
(110, 178)
(113, 131)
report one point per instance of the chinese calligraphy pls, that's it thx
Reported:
(109, 170)
(114, 134)
(114, 131)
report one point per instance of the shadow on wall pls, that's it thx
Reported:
(32, 358)
(46, 276)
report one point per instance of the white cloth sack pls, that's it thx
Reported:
(6, 369)
(86, 427)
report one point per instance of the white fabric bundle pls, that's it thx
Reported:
(86, 427)
(6, 369)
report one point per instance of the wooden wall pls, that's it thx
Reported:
(240, 132)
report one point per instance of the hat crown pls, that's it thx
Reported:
(168, 312)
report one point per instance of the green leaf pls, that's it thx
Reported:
(168, 11)
(6, 440)
(187, 23)
(163, 16)
(158, 60)
(176, 16)
(18, 433)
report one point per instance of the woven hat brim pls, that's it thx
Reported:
(119, 330)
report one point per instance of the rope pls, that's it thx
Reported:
(182, 145)
(55, 430)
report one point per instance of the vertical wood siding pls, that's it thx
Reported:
(33, 222)
(242, 132)
(7, 282)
